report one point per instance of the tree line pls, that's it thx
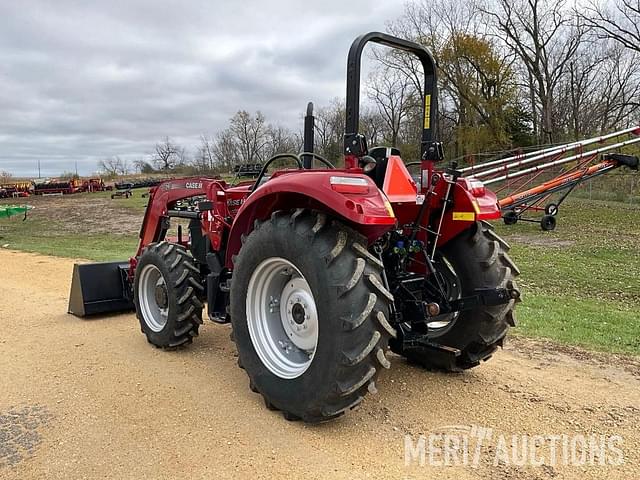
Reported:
(513, 74)
(516, 73)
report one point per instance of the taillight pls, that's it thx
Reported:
(349, 184)
(477, 188)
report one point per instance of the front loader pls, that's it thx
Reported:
(321, 270)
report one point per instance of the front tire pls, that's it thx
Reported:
(166, 289)
(301, 269)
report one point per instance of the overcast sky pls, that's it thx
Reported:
(80, 81)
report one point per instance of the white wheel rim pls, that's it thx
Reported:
(282, 318)
(154, 312)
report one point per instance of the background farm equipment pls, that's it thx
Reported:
(517, 178)
(124, 185)
(92, 185)
(8, 211)
(321, 270)
(16, 189)
(121, 194)
(139, 183)
(54, 186)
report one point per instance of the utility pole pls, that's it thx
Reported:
(38, 168)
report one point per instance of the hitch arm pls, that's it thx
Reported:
(483, 297)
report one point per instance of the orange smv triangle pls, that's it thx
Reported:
(398, 184)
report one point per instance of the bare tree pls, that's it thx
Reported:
(390, 90)
(577, 93)
(324, 134)
(167, 155)
(601, 91)
(619, 22)
(183, 157)
(433, 24)
(142, 166)
(620, 97)
(249, 134)
(5, 176)
(329, 130)
(225, 149)
(206, 152)
(114, 166)
(478, 81)
(279, 140)
(372, 125)
(545, 35)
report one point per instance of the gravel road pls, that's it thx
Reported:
(91, 399)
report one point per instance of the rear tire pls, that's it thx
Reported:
(330, 262)
(480, 260)
(166, 289)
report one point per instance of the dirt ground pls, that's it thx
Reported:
(85, 213)
(91, 399)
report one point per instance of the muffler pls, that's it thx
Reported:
(99, 288)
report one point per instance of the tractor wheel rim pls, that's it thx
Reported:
(153, 288)
(282, 318)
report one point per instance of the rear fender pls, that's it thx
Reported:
(468, 208)
(367, 212)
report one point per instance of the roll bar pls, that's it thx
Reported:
(353, 142)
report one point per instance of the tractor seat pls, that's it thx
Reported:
(381, 156)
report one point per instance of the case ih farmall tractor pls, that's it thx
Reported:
(321, 270)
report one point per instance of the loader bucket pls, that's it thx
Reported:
(99, 288)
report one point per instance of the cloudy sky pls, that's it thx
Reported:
(80, 81)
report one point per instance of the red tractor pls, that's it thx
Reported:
(321, 270)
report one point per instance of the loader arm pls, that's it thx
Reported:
(161, 198)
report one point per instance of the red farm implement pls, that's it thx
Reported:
(92, 185)
(16, 189)
(57, 187)
(540, 181)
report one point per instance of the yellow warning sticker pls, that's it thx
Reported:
(427, 112)
(464, 216)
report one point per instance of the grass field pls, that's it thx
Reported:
(581, 283)
(86, 225)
